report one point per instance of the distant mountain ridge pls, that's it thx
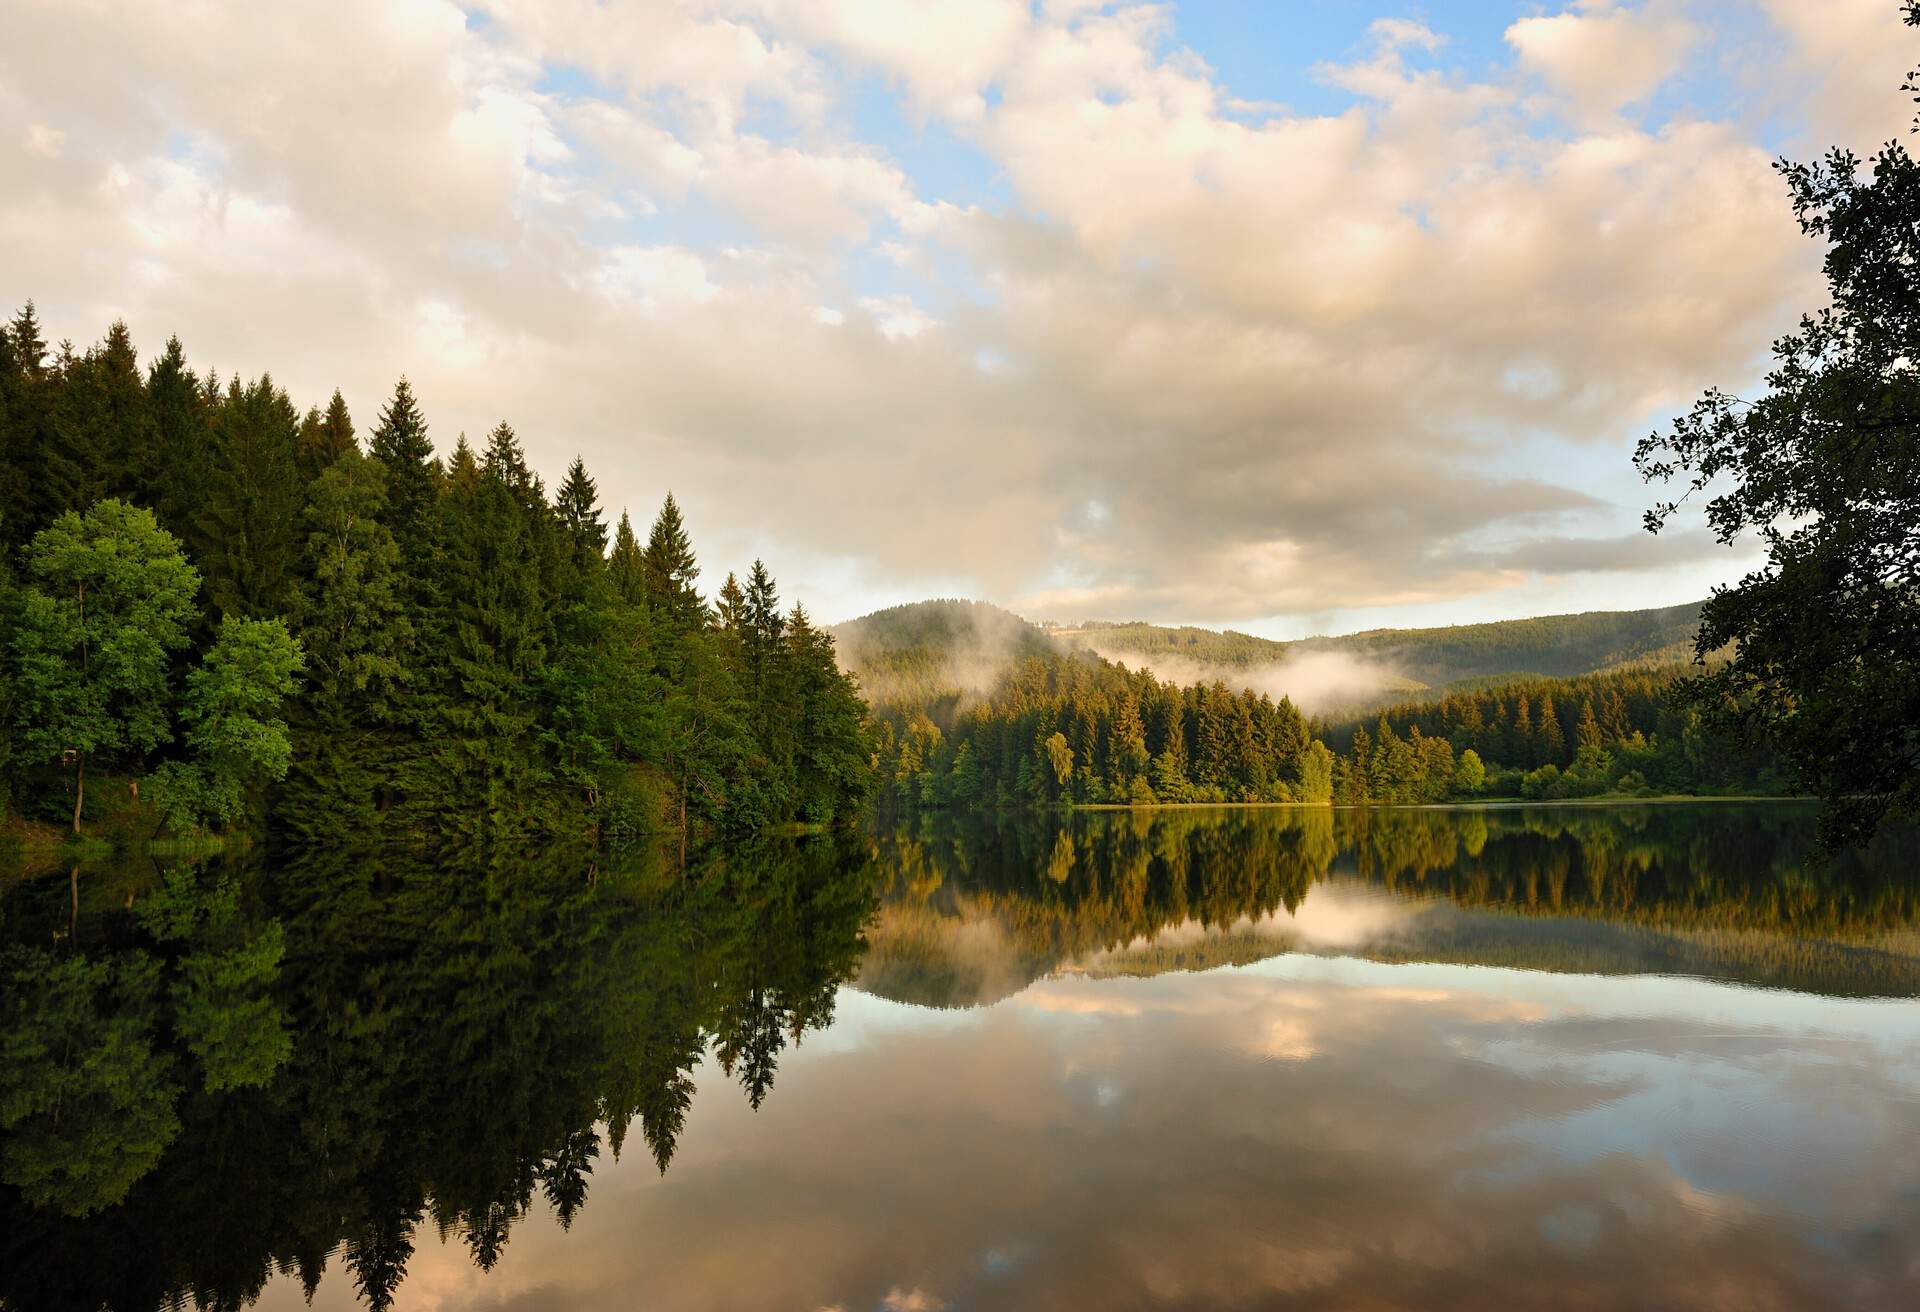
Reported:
(923, 650)
(1558, 646)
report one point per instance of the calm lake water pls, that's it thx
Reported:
(1637, 1057)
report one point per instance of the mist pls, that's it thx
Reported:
(1316, 681)
(976, 644)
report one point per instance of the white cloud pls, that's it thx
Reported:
(1280, 349)
(1602, 56)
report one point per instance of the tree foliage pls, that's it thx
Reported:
(1824, 469)
(389, 645)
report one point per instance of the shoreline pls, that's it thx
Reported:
(1483, 804)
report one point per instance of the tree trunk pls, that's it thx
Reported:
(79, 790)
(73, 906)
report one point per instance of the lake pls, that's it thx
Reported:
(1593, 1057)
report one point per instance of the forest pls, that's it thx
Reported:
(1618, 732)
(976, 709)
(1072, 729)
(221, 610)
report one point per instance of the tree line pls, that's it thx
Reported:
(1547, 739)
(1072, 729)
(210, 590)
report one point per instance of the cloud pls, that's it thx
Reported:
(1279, 350)
(1368, 1136)
(1602, 56)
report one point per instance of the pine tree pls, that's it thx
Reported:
(1359, 778)
(831, 760)
(1614, 722)
(101, 430)
(1127, 752)
(731, 608)
(1589, 734)
(1211, 735)
(351, 616)
(29, 347)
(1170, 781)
(626, 566)
(670, 571)
(578, 504)
(399, 442)
(183, 444)
(325, 437)
(248, 538)
(17, 435)
(26, 429)
(763, 628)
(1553, 739)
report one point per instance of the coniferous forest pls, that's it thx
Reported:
(222, 610)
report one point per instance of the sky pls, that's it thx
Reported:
(1293, 316)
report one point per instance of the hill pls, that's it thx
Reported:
(1359, 672)
(1559, 646)
(927, 652)
(1227, 647)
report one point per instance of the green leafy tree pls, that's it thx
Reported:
(107, 604)
(1824, 469)
(87, 1100)
(222, 993)
(232, 712)
(1469, 773)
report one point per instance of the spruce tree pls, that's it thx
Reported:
(670, 571)
(16, 443)
(578, 504)
(399, 442)
(626, 565)
(250, 523)
(351, 615)
(183, 444)
(25, 427)
(103, 437)
(1552, 738)
(731, 607)
(763, 625)
(325, 437)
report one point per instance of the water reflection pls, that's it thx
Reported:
(242, 1071)
(976, 910)
(1179, 1059)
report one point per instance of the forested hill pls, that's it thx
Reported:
(975, 706)
(928, 652)
(1137, 638)
(1556, 645)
